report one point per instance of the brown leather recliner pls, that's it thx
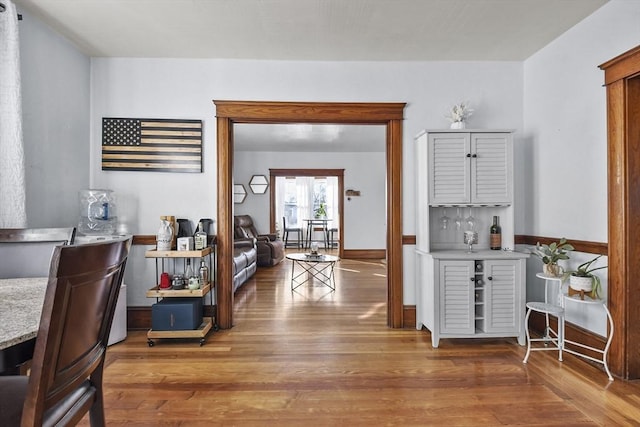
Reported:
(270, 249)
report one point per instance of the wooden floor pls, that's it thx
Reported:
(319, 358)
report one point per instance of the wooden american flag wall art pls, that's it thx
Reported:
(160, 145)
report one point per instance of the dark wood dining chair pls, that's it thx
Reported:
(26, 252)
(286, 229)
(66, 372)
(17, 235)
(332, 238)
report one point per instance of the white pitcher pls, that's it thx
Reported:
(164, 236)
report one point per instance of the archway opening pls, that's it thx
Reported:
(388, 114)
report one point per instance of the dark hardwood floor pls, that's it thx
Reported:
(319, 358)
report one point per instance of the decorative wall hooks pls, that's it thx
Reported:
(351, 193)
(258, 184)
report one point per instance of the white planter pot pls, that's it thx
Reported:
(553, 270)
(458, 125)
(581, 283)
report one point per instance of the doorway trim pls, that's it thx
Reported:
(389, 114)
(622, 80)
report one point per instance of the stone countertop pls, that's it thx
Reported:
(477, 254)
(21, 303)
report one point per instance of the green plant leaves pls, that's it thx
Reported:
(553, 252)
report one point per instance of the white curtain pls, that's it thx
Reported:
(304, 187)
(12, 173)
(332, 201)
(281, 189)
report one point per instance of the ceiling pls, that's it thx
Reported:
(310, 138)
(326, 30)
(314, 30)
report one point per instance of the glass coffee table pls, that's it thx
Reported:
(312, 267)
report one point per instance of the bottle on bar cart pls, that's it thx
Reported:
(200, 238)
(204, 273)
(188, 272)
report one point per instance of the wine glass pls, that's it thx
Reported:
(470, 221)
(444, 220)
(458, 220)
(470, 238)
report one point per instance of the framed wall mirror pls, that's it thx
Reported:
(259, 184)
(239, 193)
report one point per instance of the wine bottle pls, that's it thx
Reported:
(200, 238)
(495, 234)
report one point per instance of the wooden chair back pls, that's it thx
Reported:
(23, 235)
(289, 227)
(26, 252)
(66, 373)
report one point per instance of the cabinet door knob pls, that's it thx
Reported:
(474, 156)
(490, 278)
(468, 154)
(473, 279)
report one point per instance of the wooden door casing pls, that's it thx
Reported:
(389, 114)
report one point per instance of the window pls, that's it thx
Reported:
(306, 197)
(290, 201)
(319, 197)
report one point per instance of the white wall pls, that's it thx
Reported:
(565, 139)
(55, 111)
(565, 132)
(364, 216)
(185, 88)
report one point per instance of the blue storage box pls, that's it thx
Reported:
(175, 314)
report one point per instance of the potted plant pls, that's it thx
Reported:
(321, 211)
(582, 280)
(551, 254)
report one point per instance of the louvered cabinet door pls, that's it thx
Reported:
(449, 168)
(491, 168)
(503, 296)
(457, 310)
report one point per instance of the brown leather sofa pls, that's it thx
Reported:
(270, 249)
(245, 257)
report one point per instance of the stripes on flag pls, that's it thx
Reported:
(160, 145)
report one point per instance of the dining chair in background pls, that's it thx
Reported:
(332, 237)
(67, 366)
(26, 252)
(289, 229)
